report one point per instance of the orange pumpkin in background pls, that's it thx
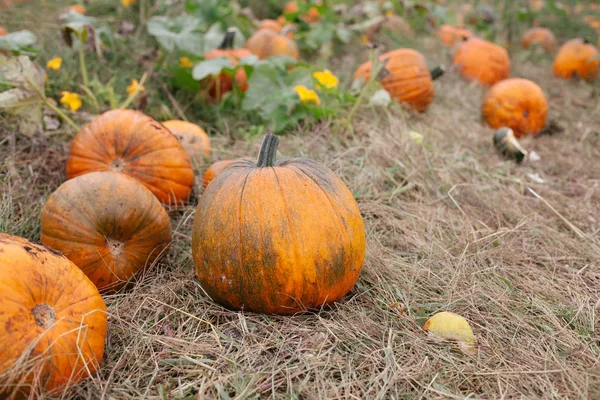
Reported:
(223, 83)
(52, 321)
(516, 103)
(312, 15)
(277, 237)
(214, 169)
(270, 24)
(130, 142)
(405, 76)
(451, 35)
(108, 224)
(266, 43)
(3, 32)
(193, 138)
(540, 36)
(77, 8)
(482, 61)
(577, 58)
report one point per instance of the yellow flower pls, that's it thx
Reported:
(326, 78)
(71, 100)
(127, 3)
(307, 95)
(185, 62)
(54, 64)
(135, 85)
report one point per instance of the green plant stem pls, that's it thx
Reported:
(51, 106)
(133, 95)
(91, 95)
(374, 74)
(84, 74)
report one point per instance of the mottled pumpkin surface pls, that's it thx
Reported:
(279, 239)
(540, 36)
(193, 138)
(450, 35)
(577, 59)
(405, 76)
(52, 319)
(516, 103)
(108, 224)
(266, 43)
(482, 61)
(130, 142)
(214, 169)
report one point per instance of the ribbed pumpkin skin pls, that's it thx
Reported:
(482, 61)
(277, 240)
(407, 77)
(450, 35)
(223, 84)
(130, 142)
(108, 224)
(542, 36)
(517, 103)
(266, 43)
(34, 282)
(215, 169)
(193, 138)
(577, 59)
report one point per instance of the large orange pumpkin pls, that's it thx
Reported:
(193, 138)
(130, 142)
(266, 43)
(482, 61)
(312, 15)
(450, 35)
(577, 58)
(52, 320)
(277, 237)
(405, 77)
(214, 169)
(108, 224)
(516, 103)
(223, 83)
(540, 36)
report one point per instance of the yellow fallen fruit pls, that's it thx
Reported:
(449, 326)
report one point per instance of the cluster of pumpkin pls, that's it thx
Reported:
(256, 241)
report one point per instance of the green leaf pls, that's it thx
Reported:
(211, 67)
(77, 24)
(343, 34)
(20, 42)
(183, 33)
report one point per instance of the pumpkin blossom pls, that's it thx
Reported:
(307, 95)
(185, 62)
(326, 78)
(135, 86)
(54, 64)
(127, 3)
(71, 100)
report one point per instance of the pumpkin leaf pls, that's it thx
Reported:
(78, 24)
(343, 34)
(211, 67)
(184, 33)
(19, 43)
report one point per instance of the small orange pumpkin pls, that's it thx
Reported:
(577, 58)
(541, 36)
(108, 224)
(214, 169)
(450, 35)
(405, 76)
(130, 142)
(516, 103)
(277, 238)
(312, 15)
(482, 61)
(270, 24)
(193, 138)
(223, 83)
(266, 43)
(78, 8)
(52, 320)
(3, 32)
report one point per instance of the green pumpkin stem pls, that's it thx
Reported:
(228, 40)
(437, 72)
(268, 151)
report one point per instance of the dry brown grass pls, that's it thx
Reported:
(450, 226)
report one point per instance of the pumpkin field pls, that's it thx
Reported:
(311, 199)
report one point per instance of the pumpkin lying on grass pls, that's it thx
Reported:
(266, 43)
(52, 320)
(482, 61)
(130, 142)
(450, 35)
(277, 237)
(216, 168)
(405, 76)
(577, 58)
(519, 104)
(108, 224)
(193, 138)
(541, 36)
